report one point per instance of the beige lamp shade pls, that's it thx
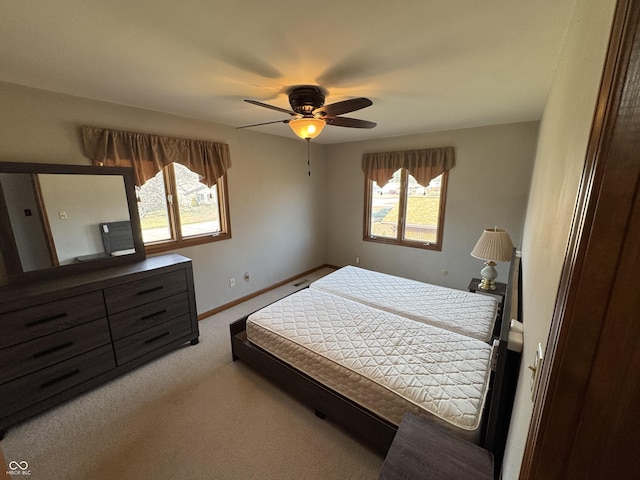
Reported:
(307, 128)
(494, 244)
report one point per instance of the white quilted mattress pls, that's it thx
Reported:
(384, 362)
(466, 313)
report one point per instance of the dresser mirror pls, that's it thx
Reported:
(66, 218)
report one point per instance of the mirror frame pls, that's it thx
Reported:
(129, 184)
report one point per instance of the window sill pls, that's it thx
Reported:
(404, 243)
(190, 242)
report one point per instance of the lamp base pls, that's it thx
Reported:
(487, 284)
(489, 275)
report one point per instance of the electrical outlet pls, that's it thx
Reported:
(357, 260)
(246, 277)
(62, 215)
(232, 282)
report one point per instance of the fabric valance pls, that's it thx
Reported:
(148, 154)
(424, 165)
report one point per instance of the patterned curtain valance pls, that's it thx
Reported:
(424, 165)
(148, 154)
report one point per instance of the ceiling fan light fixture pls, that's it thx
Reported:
(307, 128)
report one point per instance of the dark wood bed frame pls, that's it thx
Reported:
(366, 425)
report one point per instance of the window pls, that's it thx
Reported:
(183, 197)
(177, 210)
(403, 212)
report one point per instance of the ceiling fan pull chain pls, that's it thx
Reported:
(308, 156)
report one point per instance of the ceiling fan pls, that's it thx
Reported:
(311, 114)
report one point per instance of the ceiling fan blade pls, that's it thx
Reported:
(272, 107)
(345, 106)
(265, 123)
(349, 122)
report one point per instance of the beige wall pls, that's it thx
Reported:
(562, 144)
(487, 187)
(277, 211)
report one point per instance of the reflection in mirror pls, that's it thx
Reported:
(59, 215)
(76, 206)
(22, 208)
(60, 219)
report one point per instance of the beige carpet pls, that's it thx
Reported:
(193, 414)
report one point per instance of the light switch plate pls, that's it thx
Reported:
(535, 370)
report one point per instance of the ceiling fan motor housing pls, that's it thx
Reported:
(305, 99)
(307, 103)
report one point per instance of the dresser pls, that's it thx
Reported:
(61, 337)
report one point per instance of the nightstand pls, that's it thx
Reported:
(501, 288)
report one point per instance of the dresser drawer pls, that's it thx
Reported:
(150, 289)
(148, 340)
(38, 386)
(40, 353)
(146, 316)
(39, 320)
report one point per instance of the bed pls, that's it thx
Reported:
(387, 363)
(466, 313)
(362, 356)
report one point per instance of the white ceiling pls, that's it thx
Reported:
(427, 65)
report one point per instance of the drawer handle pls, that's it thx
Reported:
(150, 290)
(157, 337)
(33, 323)
(51, 350)
(60, 378)
(153, 314)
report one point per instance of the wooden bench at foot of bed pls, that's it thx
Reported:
(422, 450)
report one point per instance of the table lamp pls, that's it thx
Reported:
(494, 245)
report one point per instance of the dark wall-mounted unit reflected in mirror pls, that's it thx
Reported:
(66, 218)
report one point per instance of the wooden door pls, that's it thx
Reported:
(586, 420)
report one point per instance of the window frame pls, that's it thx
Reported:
(399, 240)
(173, 210)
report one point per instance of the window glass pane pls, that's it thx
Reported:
(152, 206)
(385, 202)
(197, 203)
(423, 209)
